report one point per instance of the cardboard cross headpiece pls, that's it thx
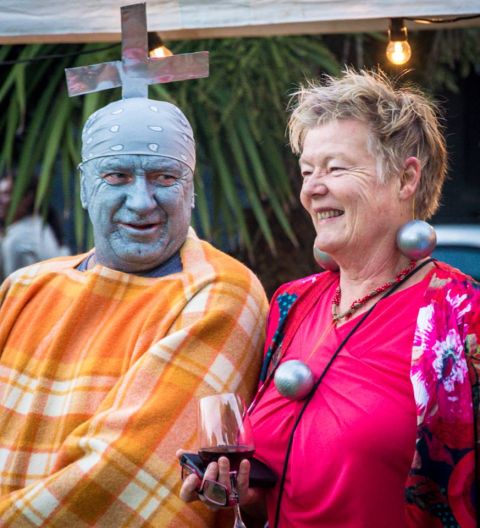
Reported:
(136, 70)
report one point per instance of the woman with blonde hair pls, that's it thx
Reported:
(369, 397)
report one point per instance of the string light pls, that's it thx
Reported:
(152, 36)
(156, 46)
(398, 49)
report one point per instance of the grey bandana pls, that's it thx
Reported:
(139, 126)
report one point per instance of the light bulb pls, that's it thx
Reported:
(398, 49)
(161, 51)
(399, 52)
(157, 48)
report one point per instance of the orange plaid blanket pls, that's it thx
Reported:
(99, 376)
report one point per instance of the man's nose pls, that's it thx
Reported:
(141, 195)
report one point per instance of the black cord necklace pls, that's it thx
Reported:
(320, 379)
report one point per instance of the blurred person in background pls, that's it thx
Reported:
(29, 238)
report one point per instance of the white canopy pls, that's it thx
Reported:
(27, 21)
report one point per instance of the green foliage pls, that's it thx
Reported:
(446, 57)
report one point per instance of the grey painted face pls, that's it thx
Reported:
(140, 208)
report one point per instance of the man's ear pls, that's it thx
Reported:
(410, 178)
(83, 191)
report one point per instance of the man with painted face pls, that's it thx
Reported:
(105, 354)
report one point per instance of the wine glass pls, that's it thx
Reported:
(225, 430)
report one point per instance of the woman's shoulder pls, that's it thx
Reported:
(444, 270)
(445, 277)
(303, 285)
(450, 289)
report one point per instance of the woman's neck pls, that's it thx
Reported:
(361, 275)
(359, 279)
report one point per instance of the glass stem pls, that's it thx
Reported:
(235, 499)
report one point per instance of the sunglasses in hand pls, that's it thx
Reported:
(213, 491)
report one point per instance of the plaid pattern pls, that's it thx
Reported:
(99, 378)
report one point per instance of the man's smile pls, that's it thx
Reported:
(141, 227)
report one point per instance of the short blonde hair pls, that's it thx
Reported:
(402, 122)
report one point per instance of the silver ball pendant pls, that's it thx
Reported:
(324, 260)
(416, 239)
(294, 379)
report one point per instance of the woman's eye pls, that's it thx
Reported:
(337, 169)
(117, 178)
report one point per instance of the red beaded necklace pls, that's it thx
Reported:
(363, 300)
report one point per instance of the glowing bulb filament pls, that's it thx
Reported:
(399, 52)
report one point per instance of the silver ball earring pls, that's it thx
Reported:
(324, 260)
(416, 239)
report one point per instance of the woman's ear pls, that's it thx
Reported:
(410, 177)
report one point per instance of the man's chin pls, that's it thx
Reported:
(142, 257)
(136, 259)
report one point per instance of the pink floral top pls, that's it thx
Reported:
(443, 483)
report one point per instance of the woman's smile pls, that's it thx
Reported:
(330, 213)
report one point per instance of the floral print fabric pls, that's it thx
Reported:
(442, 488)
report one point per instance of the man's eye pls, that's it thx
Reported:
(337, 169)
(117, 178)
(164, 179)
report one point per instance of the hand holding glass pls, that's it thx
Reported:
(225, 430)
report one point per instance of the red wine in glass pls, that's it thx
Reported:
(234, 453)
(224, 430)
